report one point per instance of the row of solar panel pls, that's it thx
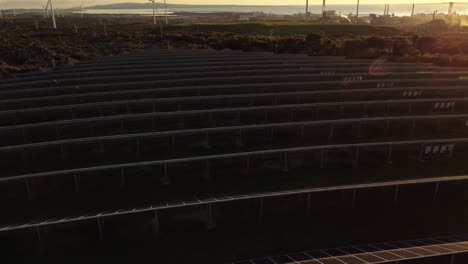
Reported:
(373, 253)
(226, 199)
(228, 156)
(463, 118)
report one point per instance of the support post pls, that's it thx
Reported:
(28, 189)
(23, 157)
(260, 210)
(353, 201)
(23, 134)
(155, 225)
(395, 195)
(452, 259)
(421, 152)
(57, 132)
(38, 233)
(121, 125)
(413, 127)
(138, 146)
(322, 158)
(76, 178)
(436, 191)
(389, 153)
(122, 178)
(100, 227)
(206, 172)
(207, 141)
(172, 143)
(356, 156)
(285, 162)
(165, 178)
(239, 138)
(359, 130)
(211, 224)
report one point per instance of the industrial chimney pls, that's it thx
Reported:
(450, 9)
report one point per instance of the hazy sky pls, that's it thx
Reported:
(69, 3)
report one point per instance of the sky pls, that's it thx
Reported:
(71, 3)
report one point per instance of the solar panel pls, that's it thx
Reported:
(317, 254)
(263, 261)
(334, 252)
(300, 256)
(282, 259)
(385, 252)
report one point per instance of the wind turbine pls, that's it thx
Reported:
(49, 3)
(154, 11)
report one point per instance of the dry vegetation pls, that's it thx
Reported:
(28, 44)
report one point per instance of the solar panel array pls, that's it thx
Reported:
(197, 115)
(222, 200)
(373, 253)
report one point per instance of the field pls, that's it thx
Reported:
(173, 145)
(31, 45)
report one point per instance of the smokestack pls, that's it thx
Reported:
(434, 15)
(357, 12)
(307, 10)
(412, 11)
(450, 10)
(388, 9)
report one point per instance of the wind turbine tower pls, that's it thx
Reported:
(450, 10)
(49, 3)
(357, 12)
